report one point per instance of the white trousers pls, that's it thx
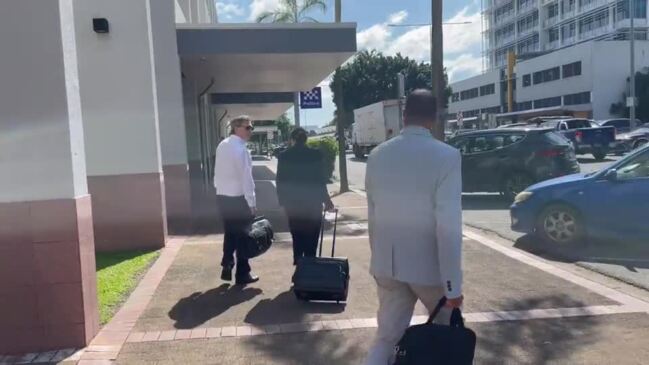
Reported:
(396, 305)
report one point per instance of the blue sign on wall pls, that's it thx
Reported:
(311, 99)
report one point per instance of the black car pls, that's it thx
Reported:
(510, 160)
(633, 140)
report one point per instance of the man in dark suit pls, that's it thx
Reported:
(302, 191)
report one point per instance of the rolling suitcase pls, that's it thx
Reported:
(322, 278)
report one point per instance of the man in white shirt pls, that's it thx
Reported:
(235, 196)
(414, 188)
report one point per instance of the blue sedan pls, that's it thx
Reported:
(612, 203)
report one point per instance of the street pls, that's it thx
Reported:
(489, 212)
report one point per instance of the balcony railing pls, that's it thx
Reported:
(595, 32)
(527, 31)
(568, 14)
(594, 4)
(506, 40)
(552, 45)
(568, 41)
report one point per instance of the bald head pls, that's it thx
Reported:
(421, 109)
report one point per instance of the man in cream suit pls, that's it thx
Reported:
(414, 188)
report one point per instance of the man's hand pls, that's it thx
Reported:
(455, 302)
(329, 206)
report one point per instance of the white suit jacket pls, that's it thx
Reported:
(414, 192)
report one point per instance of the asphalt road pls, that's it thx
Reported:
(491, 213)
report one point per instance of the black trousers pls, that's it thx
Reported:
(305, 225)
(236, 215)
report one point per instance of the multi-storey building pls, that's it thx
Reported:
(572, 57)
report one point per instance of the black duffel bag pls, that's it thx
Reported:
(430, 343)
(259, 237)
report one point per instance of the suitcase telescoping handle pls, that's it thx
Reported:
(333, 245)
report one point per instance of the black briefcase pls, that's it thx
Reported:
(429, 343)
(322, 278)
(259, 237)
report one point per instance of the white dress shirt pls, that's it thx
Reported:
(233, 170)
(414, 189)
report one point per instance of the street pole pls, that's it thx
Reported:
(340, 128)
(296, 108)
(437, 67)
(632, 57)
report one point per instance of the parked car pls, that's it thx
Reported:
(611, 203)
(632, 140)
(587, 136)
(509, 160)
(514, 125)
(621, 125)
(279, 149)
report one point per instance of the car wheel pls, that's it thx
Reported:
(639, 143)
(599, 154)
(560, 224)
(514, 184)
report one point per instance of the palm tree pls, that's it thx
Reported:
(293, 11)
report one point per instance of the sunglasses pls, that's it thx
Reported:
(248, 128)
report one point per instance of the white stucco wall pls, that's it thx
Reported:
(169, 90)
(571, 85)
(117, 88)
(611, 67)
(41, 132)
(481, 102)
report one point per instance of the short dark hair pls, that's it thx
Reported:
(299, 136)
(421, 107)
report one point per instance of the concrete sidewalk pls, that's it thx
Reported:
(523, 309)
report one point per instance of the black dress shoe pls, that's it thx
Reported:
(226, 274)
(247, 279)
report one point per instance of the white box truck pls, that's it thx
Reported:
(375, 124)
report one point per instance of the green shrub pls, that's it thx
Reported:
(328, 146)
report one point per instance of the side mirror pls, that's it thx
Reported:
(611, 175)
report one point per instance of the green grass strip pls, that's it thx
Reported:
(117, 275)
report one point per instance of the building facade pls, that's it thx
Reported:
(582, 80)
(531, 26)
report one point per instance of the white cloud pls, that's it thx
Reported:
(460, 37)
(398, 18)
(465, 65)
(257, 7)
(228, 10)
(374, 37)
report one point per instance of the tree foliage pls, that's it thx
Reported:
(328, 146)
(284, 125)
(642, 94)
(372, 77)
(293, 11)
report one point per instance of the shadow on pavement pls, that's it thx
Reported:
(198, 308)
(262, 173)
(540, 341)
(629, 256)
(484, 202)
(285, 308)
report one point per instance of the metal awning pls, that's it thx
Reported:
(262, 59)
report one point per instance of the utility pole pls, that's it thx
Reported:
(340, 128)
(632, 79)
(437, 67)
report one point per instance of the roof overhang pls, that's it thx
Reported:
(260, 59)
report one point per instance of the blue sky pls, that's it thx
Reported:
(462, 45)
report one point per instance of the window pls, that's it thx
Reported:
(524, 4)
(547, 102)
(568, 5)
(553, 10)
(529, 45)
(527, 80)
(488, 89)
(548, 75)
(637, 168)
(529, 22)
(469, 94)
(578, 123)
(596, 21)
(553, 34)
(576, 99)
(526, 105)
(622, 9)
(455, 97)
(569, 31)
(572, 69)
